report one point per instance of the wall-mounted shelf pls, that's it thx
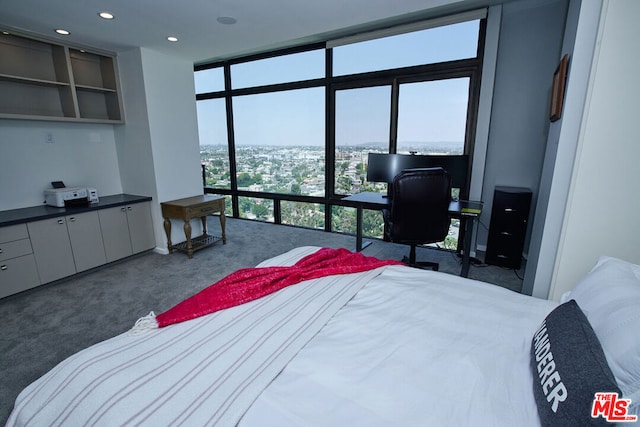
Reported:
(41, 80)
(28, 80)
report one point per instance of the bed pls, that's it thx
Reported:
(390, 345)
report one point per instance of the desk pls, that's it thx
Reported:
(187, 209)
(465, 210)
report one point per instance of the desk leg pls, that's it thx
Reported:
(167, 230)
(359, 229)
(223, 222)
(466, 256)
(187, 234)
(359, 244)
(204, 225)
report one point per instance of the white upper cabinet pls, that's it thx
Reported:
(40, 80)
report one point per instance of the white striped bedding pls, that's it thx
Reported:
(393, 346)
(206, 371)
(413, 348)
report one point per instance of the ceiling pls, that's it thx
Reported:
(260, 25)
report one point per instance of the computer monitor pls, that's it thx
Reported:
(384, 167)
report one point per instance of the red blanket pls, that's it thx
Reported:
(249, 284)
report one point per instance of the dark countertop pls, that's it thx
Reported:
(35, 213)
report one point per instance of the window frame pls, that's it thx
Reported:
(464, 68)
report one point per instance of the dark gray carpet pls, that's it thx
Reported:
(43, 326)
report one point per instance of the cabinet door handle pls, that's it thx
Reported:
(128, 208)
(505, 233)
(123, 209)
(61, 221)
(0, 250)
(3, 267)
(72, 219)
(509, 210)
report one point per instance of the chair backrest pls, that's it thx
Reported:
(420, 206)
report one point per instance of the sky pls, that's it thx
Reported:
(428, 111)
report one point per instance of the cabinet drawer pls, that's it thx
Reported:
(506, 234)
(508, 225)
(205, 209)
(17, 275)
(15, 249)
(512, 201)
(512, 212)
(13, 232)
(507, 260)
(507, 243)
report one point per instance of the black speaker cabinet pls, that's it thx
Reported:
(508, 226)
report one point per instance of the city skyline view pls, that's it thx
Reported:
(300, 170)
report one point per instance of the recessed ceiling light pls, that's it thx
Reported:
(63, 32)
(172, 39)
(226, 20)
(106, 15)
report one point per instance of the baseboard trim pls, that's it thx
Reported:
(161, 251)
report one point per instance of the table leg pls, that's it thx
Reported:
(187, 234)
(167, 230)
(204, 225)
(223, 222)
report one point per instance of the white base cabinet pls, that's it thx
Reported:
(126, 230)
(86, 240)
(67, 245)
(141, 227)
(115, 229)
(18, 270)
(42, 251)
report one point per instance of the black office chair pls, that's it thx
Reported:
(419, 210)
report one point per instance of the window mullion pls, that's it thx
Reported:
(393, 122)
(231, 141)
(330, 140)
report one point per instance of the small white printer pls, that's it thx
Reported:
(66, 196)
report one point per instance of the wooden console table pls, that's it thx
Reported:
(187, 209)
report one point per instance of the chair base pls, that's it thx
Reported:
(422, 264)
(411, 261)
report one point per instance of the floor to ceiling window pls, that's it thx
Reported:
(362, 117)
(277, 154)
(286, 134)
(432, 116)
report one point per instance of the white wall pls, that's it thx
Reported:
(171, 106)
(158, 150)
(155, 153)
(528, 53)
(133, 141)
(603, 198)
(579, 43)
(80, 155)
